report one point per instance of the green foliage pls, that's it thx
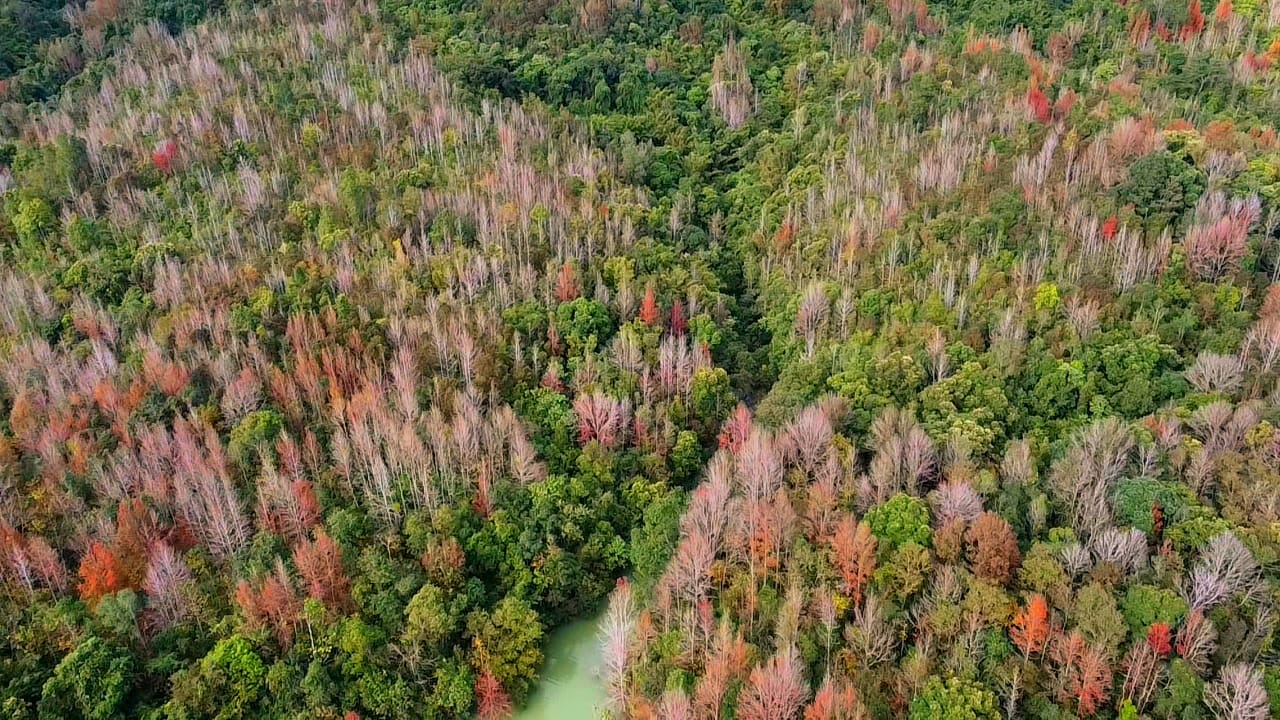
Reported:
(1192, 534)
(92, 682)
(584, 324)
(508, 641)
(954, 699)
(652, 542)
(710, 397)
(1182, 698)
(906, 571)
(970, 406)
(1161, 187)
(899, 520)
(1134, 499)
(255, 432)
(345, 261)
(226, 684)
(431, 618)
(1098, 619)
(1143, 605)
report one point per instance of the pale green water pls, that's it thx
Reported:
(568, 688)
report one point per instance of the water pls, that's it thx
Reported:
(568, 688)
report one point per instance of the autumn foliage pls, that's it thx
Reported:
(492, 702)
(1030, 628)
(101, 573)
(992, 548)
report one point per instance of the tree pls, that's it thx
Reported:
(507, 644)
(226, 683)
(1038, 104)
(92, 682)
(1159, 638)
(1085, 675)
(650, 314)
(1145, 606)
(1030, 628)
(1238, 694)
(776, 690)
(992, 548)
(166, 582)
(615, 640)
(732, 93)
(1097, 618)
(677, 323)
(835, 701)
(1218, 240)
(100, 573)
(492, 702)
(901, 520)
(163, 156)
(954, 699)
(853, 550)
(1196, 641)
(320, 564)
(1142, 669)
(566, 284)
(430, 619)
(1161, 187)
(584, 323)
(601, 418)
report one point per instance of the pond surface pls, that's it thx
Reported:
(568, 688)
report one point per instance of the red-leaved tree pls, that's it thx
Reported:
(853, 550)
(566, 284)
(101, 574)
(1030, 628)
(492, 701)
(649, 312)
(992, 548)
(320, 564)
(1038, 104)
(1160, 639)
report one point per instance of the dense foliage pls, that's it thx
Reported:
(911, 360)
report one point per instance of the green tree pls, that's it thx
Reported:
(226, 684)
(954, 699)
(710, 397)
(1161, 187)
(584, 324)
(430, 619)
(92, 682)
(970, 405)
(1143, 605)
(1098, 619)
(254, 432)
(508, 643)
(899, 520)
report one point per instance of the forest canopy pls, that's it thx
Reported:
(863, 359)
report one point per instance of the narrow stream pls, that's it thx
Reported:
(568, 688)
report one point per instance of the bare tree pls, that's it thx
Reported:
(1215, 373)
(1238, 694)
(1083, 478)
(615, 633)
(732, 93)
(776, 690)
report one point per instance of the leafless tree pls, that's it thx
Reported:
(1083, 478)
(732, 93)
(1225, 568)
(1238, 694)
(1215, 373)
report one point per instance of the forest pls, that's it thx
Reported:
(859, 358)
